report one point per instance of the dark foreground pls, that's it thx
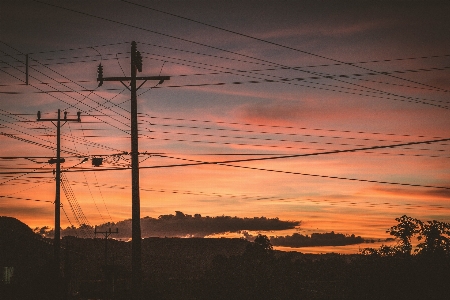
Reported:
(210, 269)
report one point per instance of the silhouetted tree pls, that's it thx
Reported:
(261, 250)
(263, 242)
(383, 251)
(436, 238)
(404, 230)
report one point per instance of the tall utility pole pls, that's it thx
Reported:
(136, 260)
(58, 161)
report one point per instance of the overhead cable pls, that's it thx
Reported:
(269, 42)
(212, 47)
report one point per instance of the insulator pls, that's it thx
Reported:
(138, 61)
(100, 74)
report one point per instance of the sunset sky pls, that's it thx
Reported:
(266, 79)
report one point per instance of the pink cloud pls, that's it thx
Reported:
(325, 29)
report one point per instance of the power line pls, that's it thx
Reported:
(79, 48)
(23, 190)
(84, 141)
(311, 175)
(74, 205)
(27, 199)
(67, 217)
(84, 175)
(96, 180)
(332, 88)
(227, 162)
(71, 105)
(313, 66)
(272, 43)
(335, 151)
(265, 132)
(273, 146)
(228, 58)
(79, 101)
(291, 127)
(184, 192)
(216, 48)
(282, 80)
(34, 143)
(348, 76)
(262, 158)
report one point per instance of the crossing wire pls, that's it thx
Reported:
(84, 175)
(243, 196)
(198, 162)
(284, 80)
(67, 217)
(260, 40)
(96, 180)
(261, 70)
(71, 105)
(266, 139)
(220, 49)
(260, 158)
(79, 48)
(27, 199)
(289, 127)
(228, 58)
(288, 81)
(79, 101)
(228, 162)
(75, 206)
(23, 190)
(285, 147)
(84, 141)
(334, 151)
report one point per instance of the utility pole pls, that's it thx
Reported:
(58, 161)
(107, 233)
(136, 254)
(26, 69)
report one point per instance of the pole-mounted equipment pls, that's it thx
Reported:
(136, 255)
(57, 122)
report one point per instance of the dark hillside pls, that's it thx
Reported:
(29, 256)
(199, 268)
(20, 246)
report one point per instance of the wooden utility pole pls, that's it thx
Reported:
(107, 270)
(136, 254)
(106, 233)
(58, 161)
(26, 69)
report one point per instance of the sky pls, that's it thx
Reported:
(332, 113)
